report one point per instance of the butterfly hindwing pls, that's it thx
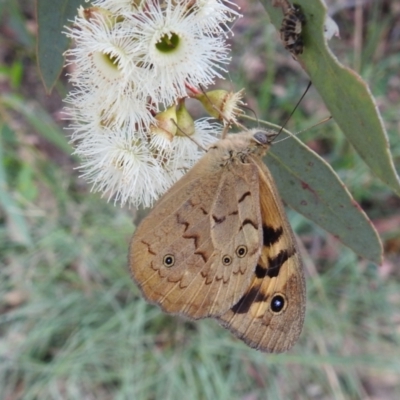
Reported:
(270, 314)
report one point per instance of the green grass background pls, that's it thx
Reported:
(72, 323)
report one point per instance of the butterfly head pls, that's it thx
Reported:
(258, 141)
(239, 146)
(264, 138)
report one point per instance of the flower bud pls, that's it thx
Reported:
(166, 126)
(185, 121)
(222, 104)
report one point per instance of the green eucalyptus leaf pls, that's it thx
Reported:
(344, 92)
(52, 16)
(309, 185)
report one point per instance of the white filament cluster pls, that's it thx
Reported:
(132, 60)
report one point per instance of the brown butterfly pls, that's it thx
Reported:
(218, 244)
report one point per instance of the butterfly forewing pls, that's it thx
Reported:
(270, 314)
(196, 252)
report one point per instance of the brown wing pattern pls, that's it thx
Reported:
(196, 252)
(270, 315)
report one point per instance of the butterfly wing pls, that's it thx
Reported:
(270, 315)
(196, 252)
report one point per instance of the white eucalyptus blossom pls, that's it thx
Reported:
(120, 6)
(175, 52)
(86, 107)
(122, 168)
(102, 52)
(214, 15)
(104, 75)
(134, 61)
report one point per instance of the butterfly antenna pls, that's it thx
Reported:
(294, 109)
(313, 126)
(304, 130)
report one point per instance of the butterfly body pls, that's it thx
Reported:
(218, 244)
